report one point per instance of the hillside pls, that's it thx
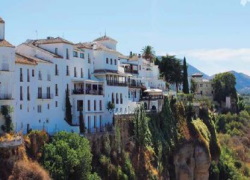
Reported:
(243, 82)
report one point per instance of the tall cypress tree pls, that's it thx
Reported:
(68, 113)
(185, 77)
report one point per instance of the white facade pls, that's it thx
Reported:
(35, 76)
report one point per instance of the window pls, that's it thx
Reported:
(21, 75)
(56, 89)
(121, 100)
(56, 51)
(67, 70)
(67, 53)
(48, 77)
(88, 105)
(94, 105)
(79, 105)
(111, 61)
(88, 74)
(56, 104)
(75, 54)
(113, 98)
(201, 85)
(75, 73)
(100, 104)
(48, 106)
(39, 108)
(28, 93)
(33, 72)
(39, 92)
(21, 106)
(115, 62)
(139, 67)
(21, 93)
(48, 93)
(128, 94)
(117, 98)
(39, 75)
(56, 70)
(81, 73)
(82, 55)
(107, 60)
(95, 122)
(28, 75)
(89, 60)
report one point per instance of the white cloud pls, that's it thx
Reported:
(213, 61)
(244, 2)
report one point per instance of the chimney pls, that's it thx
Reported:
(2, 29)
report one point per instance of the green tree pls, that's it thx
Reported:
(171, 69)
(148, 53)
(68, 156)
(193, 86)
(224, 86)
(141, 129)
(81, 123)
(5, 111)
(68, 113)
(185, 77)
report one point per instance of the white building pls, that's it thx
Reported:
(36, 75)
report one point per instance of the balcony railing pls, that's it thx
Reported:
(45, 96)
(5, 97)
(90, 92)
(134, 84)
(116, 83)
(131, 71)
(152, 97)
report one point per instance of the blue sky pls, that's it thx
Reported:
(213, 35)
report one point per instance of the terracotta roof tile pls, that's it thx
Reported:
(4, 43)
(105, 38)
(51, 40)
(24, 60)
(1, 20)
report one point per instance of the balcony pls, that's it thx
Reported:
(88, 92)
(5, 97)
(130, 71)
(151, 97)
(135, 84)
(45, 96)
(116, 83)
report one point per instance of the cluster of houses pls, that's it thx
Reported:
(38, 76)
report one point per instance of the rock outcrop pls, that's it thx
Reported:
(192, 162)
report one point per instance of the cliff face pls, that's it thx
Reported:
(192, 161)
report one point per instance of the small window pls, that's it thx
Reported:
(100, 104)
(88, 105)
(94, 105)
(56, 89)
(115, 62)
(56, 51)
(111, 61)
(107, 60)
(33, 72)
(48, 106)
(89, 60)
(75, 54)
(82, 55)
(67, 53)
(56, 104)
(21, 106)
(39, 108)
(56, 70)
(67, 70)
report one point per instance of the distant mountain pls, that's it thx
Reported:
(242, 82)
(193, 70)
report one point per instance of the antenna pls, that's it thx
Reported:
(36, 34)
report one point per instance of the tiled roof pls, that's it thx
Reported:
(24, 59)
(51, 40)
(43, 50)
(105, 38)
(121, 56)
(84, 46)
(1, 20)
(4, 43)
